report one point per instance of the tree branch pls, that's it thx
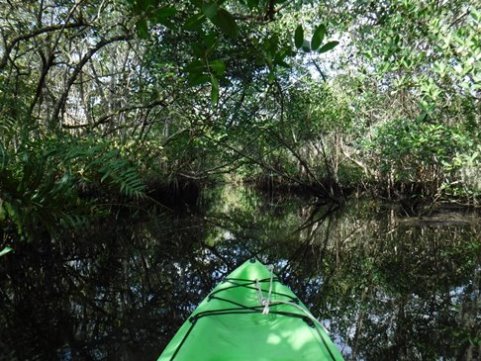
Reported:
(37, 32)
(106, 117)
(60, 107)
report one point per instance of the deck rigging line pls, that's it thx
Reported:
(264, 307)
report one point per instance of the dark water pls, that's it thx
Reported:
(389, 286)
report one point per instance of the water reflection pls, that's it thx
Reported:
(388, 287)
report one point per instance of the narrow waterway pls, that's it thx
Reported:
(389, 286)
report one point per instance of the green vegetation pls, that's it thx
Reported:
(384, 284)
(103, 103)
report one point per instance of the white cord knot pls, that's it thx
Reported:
(265, 301)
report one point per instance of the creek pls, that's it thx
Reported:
(387, 285)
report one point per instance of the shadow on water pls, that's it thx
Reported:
(387, 286)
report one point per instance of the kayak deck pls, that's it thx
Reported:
(233, 323)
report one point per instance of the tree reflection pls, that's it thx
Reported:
(386, 286)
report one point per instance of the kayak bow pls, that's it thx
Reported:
(251, 316)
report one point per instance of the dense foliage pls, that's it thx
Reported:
(103, 101)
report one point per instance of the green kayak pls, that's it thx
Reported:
(251, 316)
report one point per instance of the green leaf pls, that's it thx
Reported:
(207, 43)
(164, 16)
(299, 36)
(252, 4)
(142, 29)
(194, 22)
(281, 62)
(217, 66)
(318, 37)
(328, 46)
(210, 10)
(279, 58)
(6, 250)
(165, 12)
(196, 66)
(226, 23)
(198, 79)
(214, 94)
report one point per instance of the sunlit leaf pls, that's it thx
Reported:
(6, 250)
(328, 46)
(217, 66)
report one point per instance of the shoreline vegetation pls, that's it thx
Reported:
(362, 99)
